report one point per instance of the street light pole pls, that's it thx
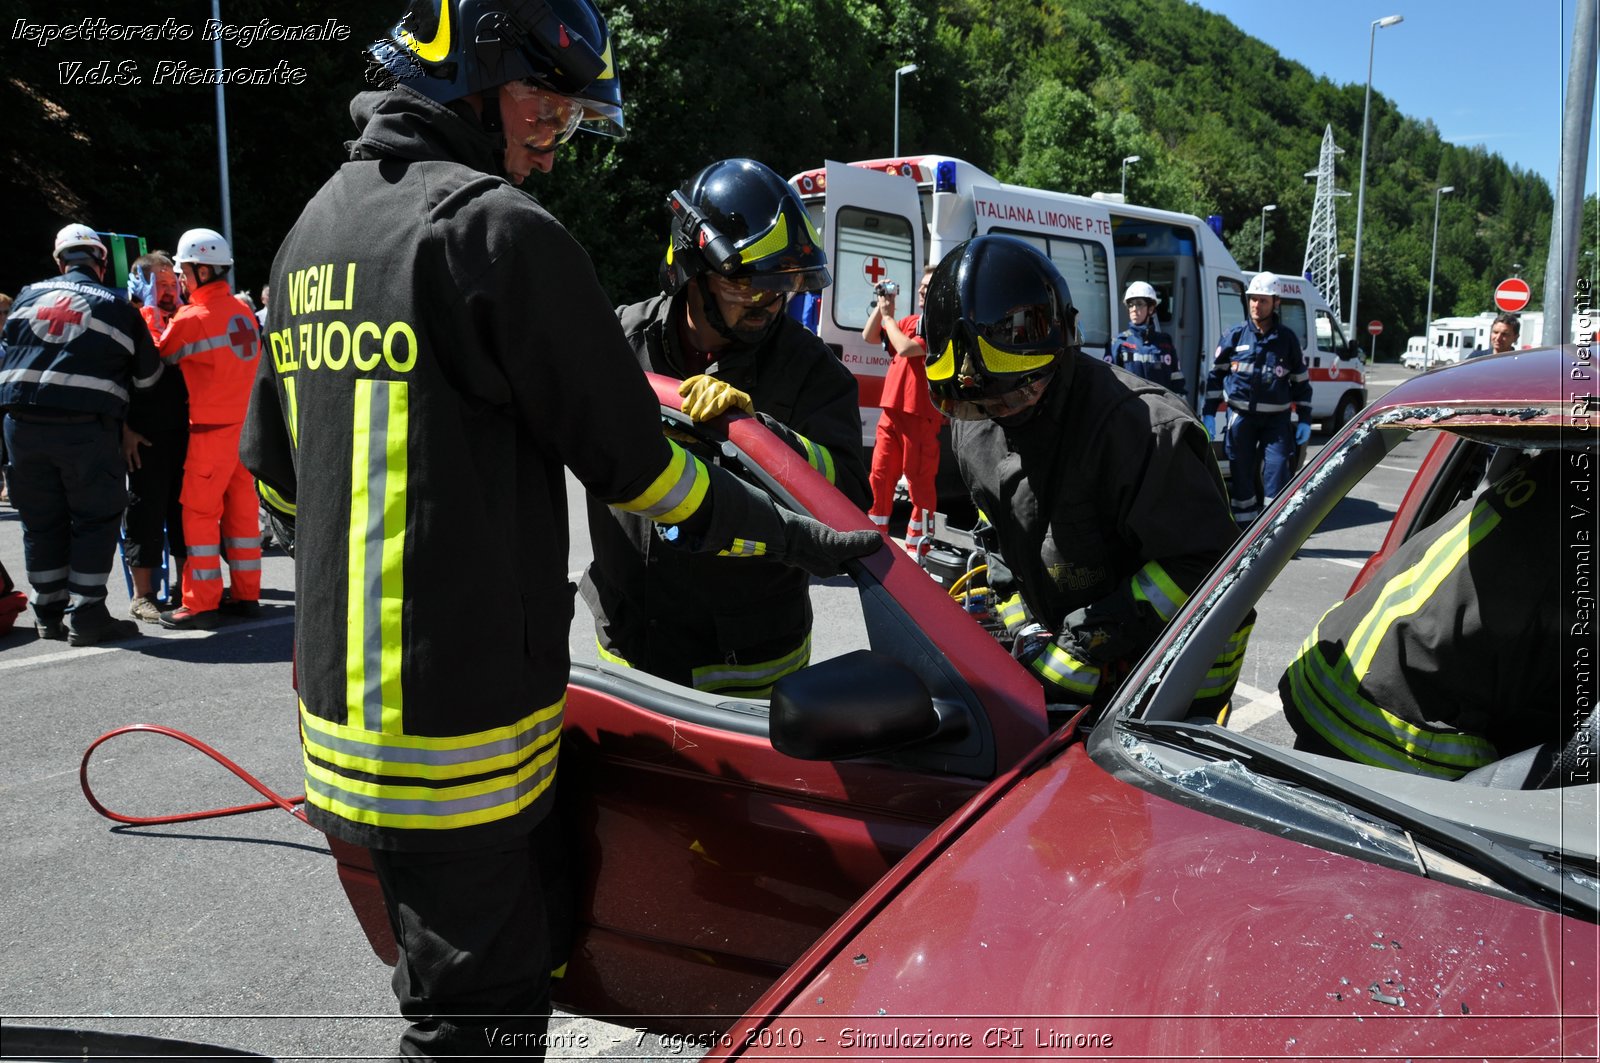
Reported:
(1125, 162)
(898, 74)
(1427, 328)
(1261, 252)
(1361, 181)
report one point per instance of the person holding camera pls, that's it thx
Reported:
(741, 243)
(907, 443)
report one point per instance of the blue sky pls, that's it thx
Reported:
(1488, 73)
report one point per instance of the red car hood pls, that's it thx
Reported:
(1081, 907)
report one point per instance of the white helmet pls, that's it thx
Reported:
(78, 239)
(1141, 290)
(205, 247)
(1263, 284)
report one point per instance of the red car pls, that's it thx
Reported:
(904, 855)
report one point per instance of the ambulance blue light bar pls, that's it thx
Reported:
(944, 177)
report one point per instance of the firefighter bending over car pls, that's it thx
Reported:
(741, 244)
(1447, 659)
(1106, 504)
(439, 347)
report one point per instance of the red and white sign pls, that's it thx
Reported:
(874, 270)
(1374, 328)
(1512, 294)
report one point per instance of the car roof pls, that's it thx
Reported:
(1544, 386)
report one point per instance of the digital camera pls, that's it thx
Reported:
(886, 288)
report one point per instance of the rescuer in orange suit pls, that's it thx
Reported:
(907, 442)
(214, 342)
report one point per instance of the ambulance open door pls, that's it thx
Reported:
(874, 232)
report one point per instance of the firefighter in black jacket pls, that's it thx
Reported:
(439, 347)
(1449, 657)
(73, 352)
(741, 241)
(1105, 502)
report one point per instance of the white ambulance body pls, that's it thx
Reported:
(882, 219)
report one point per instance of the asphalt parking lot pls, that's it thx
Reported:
(235, 931)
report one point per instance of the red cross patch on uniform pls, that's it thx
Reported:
(242, 337)
(60, 318)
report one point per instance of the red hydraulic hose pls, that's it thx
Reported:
(273, 800)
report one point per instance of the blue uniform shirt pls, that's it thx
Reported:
(1259, 372)
(1147, 353)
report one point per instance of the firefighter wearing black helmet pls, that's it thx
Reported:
(438, 347)
(741, 243)
(1106, 504)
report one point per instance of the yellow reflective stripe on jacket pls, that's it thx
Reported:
(743, 548)
(376, 556)
(1410, 590)
(294, 411)
(1370, 734)
(1066, 671)
(1152, 584)
(751, 680)
(614, 658)
(818, 457)
(1013, 613)
(1224, 672)
(274, 500)
(676, 494)
(410, 781)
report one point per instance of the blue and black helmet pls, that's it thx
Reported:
(448, 49)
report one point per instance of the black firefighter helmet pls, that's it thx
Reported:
(998, 319)
(447, 49)
(738, 219)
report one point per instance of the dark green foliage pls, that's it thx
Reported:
(1041, 92)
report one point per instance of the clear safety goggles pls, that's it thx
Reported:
(759, 288)
(553, 118)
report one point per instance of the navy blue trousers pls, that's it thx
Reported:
(69, 484)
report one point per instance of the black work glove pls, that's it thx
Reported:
(817, 548)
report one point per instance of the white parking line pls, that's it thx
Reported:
(78, 653)
(1257, 705)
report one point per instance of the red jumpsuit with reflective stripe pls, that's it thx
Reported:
(907, 442)
(214, 342)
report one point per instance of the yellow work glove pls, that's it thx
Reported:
(705, 397)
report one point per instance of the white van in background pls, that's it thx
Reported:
(882, 219)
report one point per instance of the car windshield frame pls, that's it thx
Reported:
(1547, 829)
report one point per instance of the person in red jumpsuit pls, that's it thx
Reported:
(214, 342)
(907, 442)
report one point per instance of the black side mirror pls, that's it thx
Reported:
(852, 706)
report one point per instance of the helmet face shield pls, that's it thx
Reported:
(998, 319)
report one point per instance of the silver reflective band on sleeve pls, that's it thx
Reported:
(63, 380)
(197, 347)
(142, 382)
(122, 339)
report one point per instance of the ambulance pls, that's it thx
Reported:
(882, 219)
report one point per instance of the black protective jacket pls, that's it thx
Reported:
(732, 625)
(1450, 656)
(439, 348)
(1108, 509)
